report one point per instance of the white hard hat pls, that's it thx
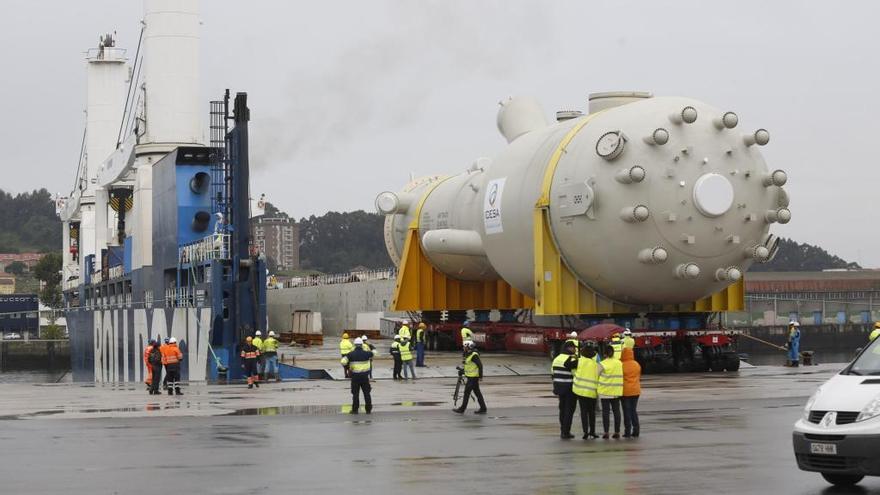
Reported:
(364, 337)
(358, 341)
(271, 333)
(406, 322)
(258, 333)
(627, 332)
(172, 340)
(794, 323)
(573, 334)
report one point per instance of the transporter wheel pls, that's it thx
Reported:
(665, 364)
(842, 479)
(684, 365)
(731, 362)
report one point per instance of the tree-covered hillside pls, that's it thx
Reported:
(28, 223)
(794, 257)
(338, 242)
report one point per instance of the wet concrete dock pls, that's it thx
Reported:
(701, 433)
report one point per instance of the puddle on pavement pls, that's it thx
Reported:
(317, 410)
(286, 410)
(410, 403)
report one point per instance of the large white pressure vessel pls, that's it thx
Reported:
(650, 201)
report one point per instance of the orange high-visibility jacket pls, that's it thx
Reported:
(171, 354)
(147, 367)
(632, 373)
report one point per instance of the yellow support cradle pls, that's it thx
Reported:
(421, 287)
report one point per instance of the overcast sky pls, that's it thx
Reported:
(349, 98)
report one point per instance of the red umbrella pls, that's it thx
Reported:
(602, 331)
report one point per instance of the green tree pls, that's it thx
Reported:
(48, 270)
(16, 268)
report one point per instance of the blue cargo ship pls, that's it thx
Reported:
(156, 230)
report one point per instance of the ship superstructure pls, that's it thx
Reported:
(156, 237)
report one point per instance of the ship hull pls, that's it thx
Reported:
(108, 345)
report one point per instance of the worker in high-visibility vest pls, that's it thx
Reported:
(269, 353)
(148, 370)
(466, 333)
(395, 356)
(358, 361)
(171, 358)
(794, 343)
(406, 358)
(258, 343)
(632, 388)
(561, 371)
(249, 355)
(154, 364)
(473, 372)
(628, 341)
(610, 390)
(875, 333)
(585, 385)
(345, 346)
(405, 332)
(420, 345)
(616, 344)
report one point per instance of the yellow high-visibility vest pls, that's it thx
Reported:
(586, 378)
(560, 373)
(471, 370)
(270, 345)
(611, 378)
(405, 351)
(359, 366)
(345, 346)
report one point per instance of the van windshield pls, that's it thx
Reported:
(868, 362)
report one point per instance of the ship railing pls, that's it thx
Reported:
(343, 278)
(183, 297)
(212, 247)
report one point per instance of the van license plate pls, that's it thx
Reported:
(823, 448)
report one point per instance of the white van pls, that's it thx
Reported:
(839, 433)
